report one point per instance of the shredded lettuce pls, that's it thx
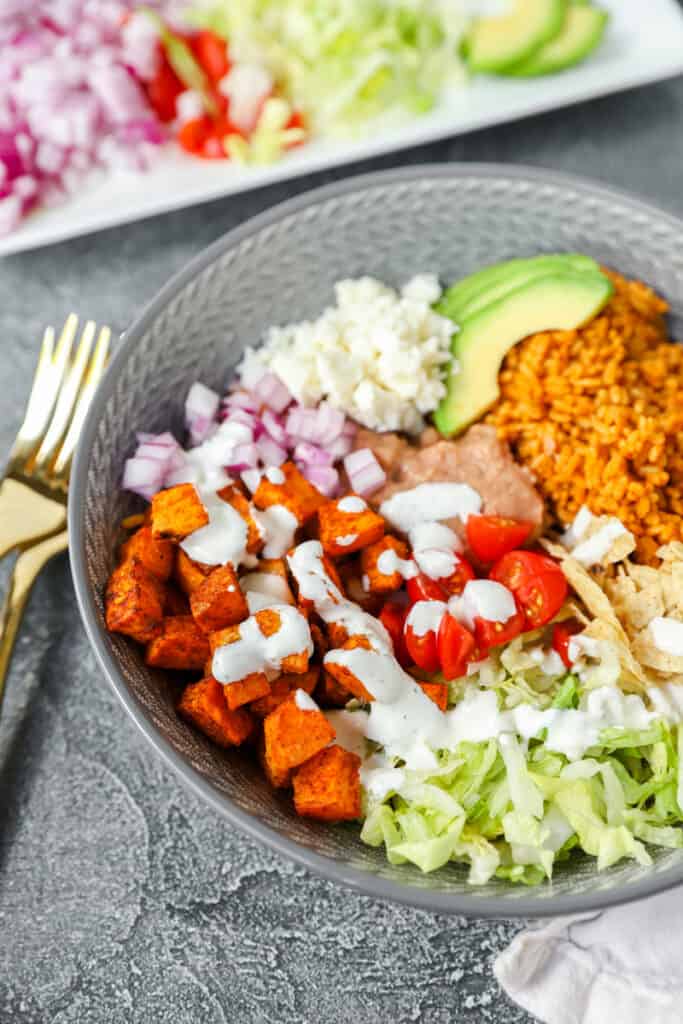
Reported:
(514, 810)
(345, 61)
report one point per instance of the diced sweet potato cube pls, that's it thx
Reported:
(291, 736)
(382, 582)
(274, 566)
(438, 692)
(223, 637)
(134, 602)
(351, 575)
(175, 602)
(181, 645)
(327, 786)
(281, 688)
(304, 603)
(204, 705)
(269, 622)
(178, 512)
(342, 532)
(243, 691)
(233, 495)
(294, 492)
(189, 574)
(218, 601)
(320, 642)
(330, 693)
(154, 553)
(344, 676)
(132, 522)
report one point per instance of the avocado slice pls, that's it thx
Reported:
(583, 30)
(457, 298)
(495, 44)
(560, 301)
(515, 278)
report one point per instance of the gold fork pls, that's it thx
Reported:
(33, 491)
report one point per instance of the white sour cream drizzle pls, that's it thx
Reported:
(435, 547)
(278, 526)
(425, 617)
(346, 540)
(430, 503)
(388, 563)
(254, 652)
(482, 599)
(352, 503)
(667, 635)
(223, 539)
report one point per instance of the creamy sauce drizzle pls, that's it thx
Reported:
(254, 652)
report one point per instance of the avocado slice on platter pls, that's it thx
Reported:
(497, 43)
(558, 301)
(582, 32)
(472, 292)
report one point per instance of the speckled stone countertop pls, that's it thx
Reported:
(122, 898)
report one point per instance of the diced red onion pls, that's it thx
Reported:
(341, 447)
(329, 423)
(274, 427)
(143, 476)
(241, 400)
(272, 454)
(272, 392)
(325, 478)
(201, 406)
(310, 455)
(364, 471)
(246, 419)
(302, 423)
(244, 456)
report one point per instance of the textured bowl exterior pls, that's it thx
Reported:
(282, 266)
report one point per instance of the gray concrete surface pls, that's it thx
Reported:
(122, 898)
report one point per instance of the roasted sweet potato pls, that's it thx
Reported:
(245, 690)
(344, 676)
(331, 694)
(189, 574)
(282, 687)
(438, 692)
(304, 603)
(379, 582)
(293, 491)
(233, 495)
(180, 644)
(134, 601)
(291, 736)
(343, 532)
(204, 705)
(178, 512)
(218, 601)
(327, 786)
(154, 553)
(175, 602)
(269, 622)
(351, 575)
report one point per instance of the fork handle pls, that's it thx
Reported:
(23, 518)
(27, 567)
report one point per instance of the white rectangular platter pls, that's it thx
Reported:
(644, 44)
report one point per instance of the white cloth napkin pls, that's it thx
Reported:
(619, 966)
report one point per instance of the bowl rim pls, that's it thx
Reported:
(365, 882)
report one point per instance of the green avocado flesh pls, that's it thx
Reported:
(495, 44)
(559, 301)
(471, 293)
(582, 32)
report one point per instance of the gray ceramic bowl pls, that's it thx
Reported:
(277, 267)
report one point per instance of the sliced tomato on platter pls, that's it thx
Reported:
(491, 537)
(456, 645)
(562, 634)
(423, 588)
(212, 54)
(393, 617)
(536, 580)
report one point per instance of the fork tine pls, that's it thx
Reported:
(93, 376)
(46, 383)
(66, 400)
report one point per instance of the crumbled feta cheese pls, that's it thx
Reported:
(378, 354)
(667, 635)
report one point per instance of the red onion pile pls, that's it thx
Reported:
(262, 426)
(70, 97)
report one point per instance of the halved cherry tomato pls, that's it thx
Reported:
(164, 90)
(491, 537)
(422, 645)
(423, 588)
(538, 583)
(562, 634)
(492, 634)
(193, 134)
(212, 54)
(456, 645)
(393, 617)
(462, 574)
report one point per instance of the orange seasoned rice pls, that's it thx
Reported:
(597, 415)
